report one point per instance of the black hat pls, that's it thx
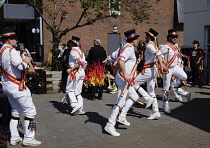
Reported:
(7, 32)
(131, 35)
(172, 33)
(195, 42)
(75, 40)
(152, 32)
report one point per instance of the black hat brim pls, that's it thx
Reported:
(12, 37)
(73, 42)
(150, 34)
(134, 38)
(172, 35)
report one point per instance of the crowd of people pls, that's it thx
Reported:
(135, 72)
(132, 76)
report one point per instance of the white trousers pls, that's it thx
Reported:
(149, 77)
(176, 71)
(74, 88)
(21, 102)
(120, 103)
(177, 91)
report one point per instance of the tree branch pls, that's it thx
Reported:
(83, 13)
(64, 32)
(48, 24)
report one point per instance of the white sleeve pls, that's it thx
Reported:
(151, 49)
(16, 60)
(75, 55)
(126, 53)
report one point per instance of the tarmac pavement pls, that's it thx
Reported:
(188, 126)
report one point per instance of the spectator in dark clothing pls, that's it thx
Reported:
(140, 52)
(65, 66)
(196, 63)
(96, 69)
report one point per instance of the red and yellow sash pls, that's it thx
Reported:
(80, 53)
(174, 48)
(5, 47)
(73, 75)
(147, 66)
(20, 82)
(119, 52)
(132, 83)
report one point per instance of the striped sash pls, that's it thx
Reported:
(147, 66)
(19, 82)
(174, 48)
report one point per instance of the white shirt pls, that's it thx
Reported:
(128, 56)
(168, 53)
(150, 53)
(12, 63)
(75, 55)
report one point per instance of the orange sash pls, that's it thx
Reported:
(20, 82)
(73, 75)
(174, 56)
(119, 52)
(132, 83)
(147, 66)
(5, 47)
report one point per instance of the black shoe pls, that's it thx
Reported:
(93, 98)
(100, 98)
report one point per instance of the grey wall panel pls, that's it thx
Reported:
(18, 11)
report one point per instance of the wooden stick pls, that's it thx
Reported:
(132, 73)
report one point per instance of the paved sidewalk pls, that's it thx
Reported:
(188, 126)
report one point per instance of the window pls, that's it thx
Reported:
(208, 38)
(114, 7)
(208, 2)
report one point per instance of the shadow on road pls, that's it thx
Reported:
(95, 117)
(195, 113)
(62, 108)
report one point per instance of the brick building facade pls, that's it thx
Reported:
(162, 19)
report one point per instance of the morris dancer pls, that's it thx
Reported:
(172, 56)
(148, 74)
(19, 96)
(180, 92)
(76, 76)
(126, 61)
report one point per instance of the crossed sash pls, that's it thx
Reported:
(19, 82)
(174, 48)
(73, 73)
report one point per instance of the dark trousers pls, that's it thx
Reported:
(196, 74)
(63, 80)
(95, 89)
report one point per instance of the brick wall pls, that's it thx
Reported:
(161, 20)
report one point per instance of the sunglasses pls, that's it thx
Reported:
(174, 37)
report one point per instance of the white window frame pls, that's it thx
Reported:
(116, 12)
